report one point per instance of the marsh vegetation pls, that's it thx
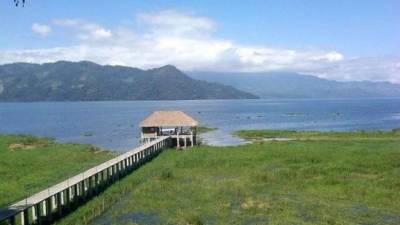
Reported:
(321, 181)
(30, 164)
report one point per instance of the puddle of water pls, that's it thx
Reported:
(278, 139)
(221, 138)
(375, 215)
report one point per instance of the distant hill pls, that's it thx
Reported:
(87, 81)
(293, 85)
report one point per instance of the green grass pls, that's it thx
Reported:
(360, 134)
(203, 129)
(29, 164)
(342, 181)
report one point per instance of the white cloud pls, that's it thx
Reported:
(66, 22)
(372, 69)
(85, 30)
(186, 40)
(171, 22)
(41, 29)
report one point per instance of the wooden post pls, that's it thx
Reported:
(62, 200)
(48, 208)
(24, 217)
(59, 205)
(82, 190)
(195, 135)
(102, 177)
(33, 211)
(114, 171)
(76, 191)
(44, 209)
(96, 182)
(38, 214)
(67, 198)
(90, 186)
(12, 220)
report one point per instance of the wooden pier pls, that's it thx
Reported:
(55, 202)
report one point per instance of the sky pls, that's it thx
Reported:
(339, 40)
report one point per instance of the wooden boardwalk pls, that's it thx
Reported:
(53, 202)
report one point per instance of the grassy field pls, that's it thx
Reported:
(204, 129)
(321, 181)
(29, 164)
(361, 134)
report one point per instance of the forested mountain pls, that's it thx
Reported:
(87, 81)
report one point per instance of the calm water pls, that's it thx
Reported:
(114, 125)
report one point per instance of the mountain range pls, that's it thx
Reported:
(294, 85)
(88, 81)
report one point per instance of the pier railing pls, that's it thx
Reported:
(55, 201)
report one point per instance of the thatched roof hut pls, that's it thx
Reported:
(168, 119)
(179, 126)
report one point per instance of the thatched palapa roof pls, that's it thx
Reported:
(168, 119)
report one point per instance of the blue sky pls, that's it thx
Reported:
(342, 40)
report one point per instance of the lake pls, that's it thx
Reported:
(114, 125)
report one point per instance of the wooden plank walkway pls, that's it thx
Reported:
(120, 163)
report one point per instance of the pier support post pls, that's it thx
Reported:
(184, 142)
(48, 209)
(102, 178)
(62, 201)
(108, 175)
(119, 168)
(130, 163)
(12, 220)
(72, 193)
(76, 193)
(96, 182)
(44, 209)
(82, 190)
(136, 160)
(38, 216)
(34, 214)
(125, 166)
(58, 196)
(90, 186)
(24, 217)
(112, 173)
(53, 202)
(68, 198)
